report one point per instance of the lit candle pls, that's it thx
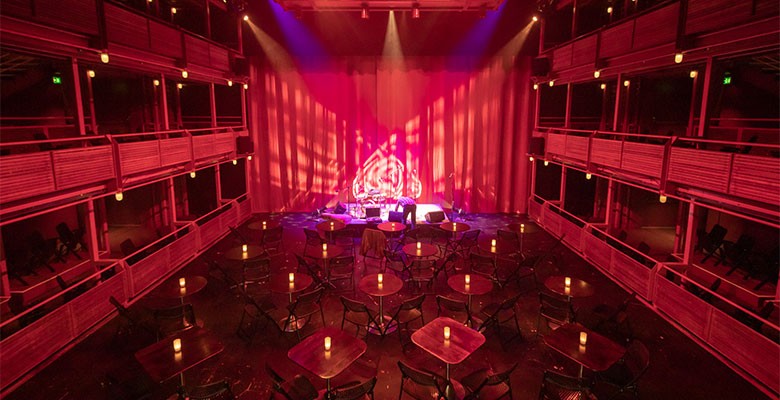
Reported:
(419, 245)
(379, 278)
(182, 282)
(467, 279)
(493, 242)
(567, 281)
(291, 276)
(583, 338)
(176, 345)
(324, 247)
(327, 343)
(446, 333)
(244, 248)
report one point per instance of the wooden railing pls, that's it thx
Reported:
(684, 162)
(58, 165)
(44, 330)
(713, 324)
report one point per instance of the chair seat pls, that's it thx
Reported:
(300, 388)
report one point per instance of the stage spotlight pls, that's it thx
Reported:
(415, 11)
(534, 18)
(678, 58)
(364, 12)
(246, 18)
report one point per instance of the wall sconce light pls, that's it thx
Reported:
(173, 10)
(179, 86)
(235, 162)
(156, 82)
(246, 86)
(693, 73)
(626, 83)
(229, 83)
(596, 74)
(119, 196)
(678, 58)
(249, 157)
(104, 57)
(588, 176)
(536, 86)
(662, 199)
(609, 10)
(192, 174)
(551, 83)
(531, 158)
(185, 74)
(546, 163)
(603, 86)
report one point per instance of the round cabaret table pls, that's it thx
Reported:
(390, 285)
(454, 227)
(173, 290)
(280, 283)
(577, 288)
(501, 247)
(329, 227)
(237, 253)
(478, 285)
(425, 250)
(391, 227)
(264, 225)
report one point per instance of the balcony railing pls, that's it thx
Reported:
(727, 324)
(56, 322)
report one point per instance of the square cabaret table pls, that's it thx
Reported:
(312, 356)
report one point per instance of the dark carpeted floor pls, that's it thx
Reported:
(103, 365)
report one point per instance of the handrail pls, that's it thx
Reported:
(59, 140)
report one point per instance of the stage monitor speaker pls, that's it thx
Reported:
(536, 146)
(244, 145)
(395, 216)
(373, 212)
(540, 66)
(434, 217)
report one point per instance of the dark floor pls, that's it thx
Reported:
(679, 369)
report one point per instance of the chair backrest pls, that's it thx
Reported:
(273, 235)
(494, 379)
(554, 307)
(507, 236)
(313, 297)
(373, 243)
(66, 235)
(211, 391)
(477, 260)
(355, 392)
(452, 306)
(257, 269)
(637, 359)
(354, 306)
(341, 261)
(312, 237)
(714, 238)
(470, 238)
(120, 309)
(240, 236)
(413, 303)
(417, 376)
(562, 387)
(643, 248)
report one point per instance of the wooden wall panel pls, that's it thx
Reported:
(616, 40)
(17, 171)
(18, 8)
(74, 15)
(643, 158)
(534, 210)
(700, 168)
(229, 218)
(197, 51)
(755, 353)
(683, 307)
(244, 209)
(573, 234)
(147, 271)
(656, 27)
(91, 307)
(34, 344)
(174, 151)
(203, 146)
(209, 232)
(183, 249)
(756, 178)
(584, 51)
(577, 148)
(556, 144)
(708, 15)
(631, 273)
(606, 152)
(125, 27)
(552, 221)
(561, 58)
(166, 41)
(219, 58)
(76, 167)
(139, 156)
(224, 143)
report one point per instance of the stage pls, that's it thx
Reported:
(358, 211)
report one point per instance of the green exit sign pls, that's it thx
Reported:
(56, 79)
(727, 79)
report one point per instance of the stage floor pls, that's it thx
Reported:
(358, 212)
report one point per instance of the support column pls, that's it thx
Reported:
(610, 193)
(213, 101)
(77, 95)
(563, 187)
(705, 98)
(169, 189)
(689, 233)
(92, 117)
(218, 184)
(92, 230)
(692, 111)
(618, 99)
(567, 115)
(156, 107)
(164, 89)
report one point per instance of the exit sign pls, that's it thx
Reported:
(727, 79)
(56, 79)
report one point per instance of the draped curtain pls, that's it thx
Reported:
(423, 127)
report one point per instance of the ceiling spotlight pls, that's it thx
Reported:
(156, 82)
(534, 18)
(603, 86)
(90, 73)
(678, 58)
(596, 74)
(364, 12)
(246, 18)
(551, 83)
(185, 74)
(415, 11)
(693, 73)
(230, 82)
(626, 83)
(104, 57)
